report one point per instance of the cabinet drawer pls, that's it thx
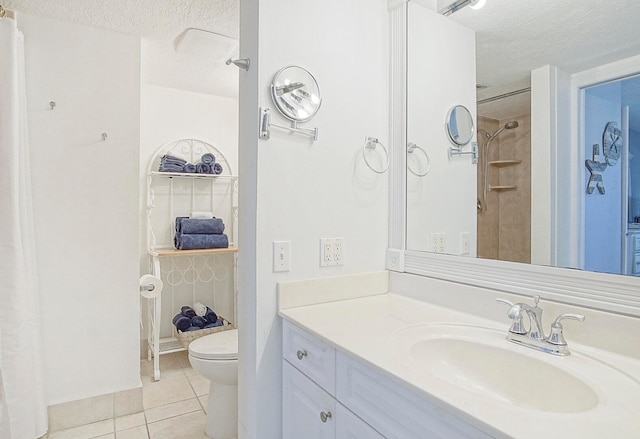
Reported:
(635, 242)
(393, 408)
(635, 267)
(303, 404)
(311, 356)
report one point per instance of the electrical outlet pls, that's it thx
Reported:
(281, 256)
(331, 251)
(437, 242)
(465, 243)
(338, 251)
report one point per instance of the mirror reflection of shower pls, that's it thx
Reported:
(484, 158)
(504, 175)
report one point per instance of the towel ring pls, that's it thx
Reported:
(411, 147)
(371, 143)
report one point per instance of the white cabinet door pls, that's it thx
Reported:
(308, 411)
(349, 426)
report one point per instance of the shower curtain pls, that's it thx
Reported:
(23, 411)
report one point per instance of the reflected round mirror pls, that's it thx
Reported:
(295, 93)
(459, 125)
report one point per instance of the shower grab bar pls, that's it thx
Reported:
(266, 124)
(458, 151)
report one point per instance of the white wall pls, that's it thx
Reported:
(85, 203)
(299, 190)
(439, 76)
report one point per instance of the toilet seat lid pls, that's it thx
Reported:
(217, 346)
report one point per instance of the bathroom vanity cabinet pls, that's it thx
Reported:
(205, 275)
(329, 394)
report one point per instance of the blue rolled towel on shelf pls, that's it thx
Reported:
(187, 311)
(184, 241)
(189, 168)
(182, 322)
(213, 325)
(211, 316)
(198, 321)
(203, 168)
(217, 168)
(199, 226)
(208, 159)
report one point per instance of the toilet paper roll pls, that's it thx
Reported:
(150, 286)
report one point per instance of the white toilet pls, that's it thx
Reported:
(215, 357)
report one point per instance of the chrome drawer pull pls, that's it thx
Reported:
(325, 416)
(301, 354)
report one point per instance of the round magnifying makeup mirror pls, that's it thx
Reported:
(459, 125)
(295, 93)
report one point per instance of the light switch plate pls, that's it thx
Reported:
(281, 256)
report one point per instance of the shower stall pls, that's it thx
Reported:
(504, 178)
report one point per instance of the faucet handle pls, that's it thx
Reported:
(515, 314)
(556, 337)
(536, 299)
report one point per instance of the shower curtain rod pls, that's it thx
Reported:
(505, 95)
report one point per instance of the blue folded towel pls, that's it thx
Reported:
(181, 322)
(213, 325)
(198, 321)
(208, 159)
(203, 168)
(171, 168)
(189, 168)
(193, 328)
(199, 226)
(217, 168)
(211, 316)
(169, 159)
(187, 311)
(184, 241)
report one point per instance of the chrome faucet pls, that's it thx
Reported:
(535, 337)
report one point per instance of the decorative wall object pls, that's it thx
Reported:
(611, 143)
(596, 168)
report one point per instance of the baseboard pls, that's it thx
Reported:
(97, 408)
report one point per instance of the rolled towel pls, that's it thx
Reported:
(203, 168)
(200, 309)
(217, 168)
(213, 325)
(198, 214)
(211, 316)
(198, 321)
(189, 168)
(181, 322)
(193, 328)
(197, 226)
(208, 159)
(187, 311)
(184, 241)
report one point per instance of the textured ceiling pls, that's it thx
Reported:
(514, 37)
(158, 23)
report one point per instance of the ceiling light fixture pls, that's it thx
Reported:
(459, 4)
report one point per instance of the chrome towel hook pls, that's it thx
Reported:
(370, 143)
(52, 104)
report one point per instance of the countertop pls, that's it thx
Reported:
(368, 328)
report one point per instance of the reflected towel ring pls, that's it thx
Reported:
(412, 147)
(371, 143)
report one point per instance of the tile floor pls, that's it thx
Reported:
(174, 407)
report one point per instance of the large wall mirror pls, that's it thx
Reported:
(494, 209)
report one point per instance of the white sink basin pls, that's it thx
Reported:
(482, 361)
